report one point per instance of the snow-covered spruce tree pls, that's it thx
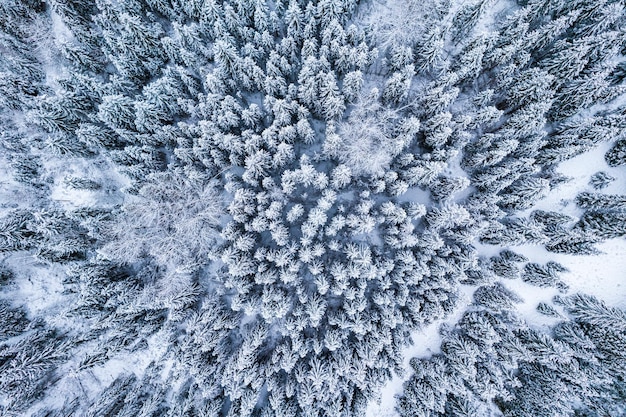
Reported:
(600, 180)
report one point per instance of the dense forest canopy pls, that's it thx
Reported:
(256, 208)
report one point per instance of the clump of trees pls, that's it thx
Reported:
(267, 199)
(492, 358)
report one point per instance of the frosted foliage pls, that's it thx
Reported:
(395, 22)
(232, 208)
(174, 219)
(368, 140)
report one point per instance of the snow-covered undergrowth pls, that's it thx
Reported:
(291, 208)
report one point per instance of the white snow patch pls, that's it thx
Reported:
(38, 286)
(492, 15)
(98, 171)
(60, 31)
(53, 33)
(415, 195)
(603, 275)
(580, 169)
(531, 297)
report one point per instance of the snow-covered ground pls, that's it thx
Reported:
(37, 286)
(579, 171)
(102, 173)
(603, 275)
